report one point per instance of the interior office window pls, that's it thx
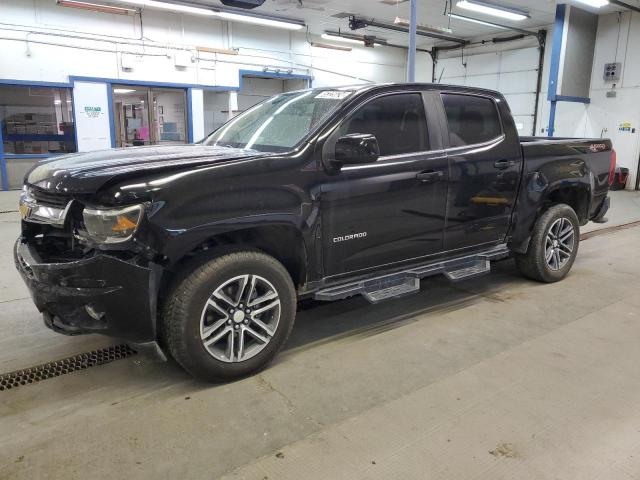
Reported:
(36, 120)
(471, 119)
(398, 122)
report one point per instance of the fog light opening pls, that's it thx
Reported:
(93, 313)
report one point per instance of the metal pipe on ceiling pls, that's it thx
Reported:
(357, 22)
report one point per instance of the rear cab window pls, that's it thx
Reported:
(471, 119)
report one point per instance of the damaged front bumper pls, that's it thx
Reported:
(99, 294)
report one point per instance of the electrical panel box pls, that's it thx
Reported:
(612, 71)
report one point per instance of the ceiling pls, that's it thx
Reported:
(320, 15)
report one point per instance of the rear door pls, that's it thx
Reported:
(392, 210)
(485, 163)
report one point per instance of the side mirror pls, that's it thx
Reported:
(356, 148)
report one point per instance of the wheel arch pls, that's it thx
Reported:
(282, 241)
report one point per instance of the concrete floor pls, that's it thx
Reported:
(491, 378)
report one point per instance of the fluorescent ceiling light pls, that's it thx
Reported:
(403, 22)
(231, 16)
(94, 7)
(594, 3)
(338, 38)
(330, 47)
(479, 22)
(174, 7)
(493, 10)
(268, 22)
(123, 90)
(57, 102)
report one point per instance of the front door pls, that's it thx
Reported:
(392, 210)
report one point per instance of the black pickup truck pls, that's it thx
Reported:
(203, 251)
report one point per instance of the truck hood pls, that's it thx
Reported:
(88, 172)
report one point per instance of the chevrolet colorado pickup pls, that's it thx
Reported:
(203, 251)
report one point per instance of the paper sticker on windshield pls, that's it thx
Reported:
(334, 94)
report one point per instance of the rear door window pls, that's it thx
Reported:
(398, 121)
(472, 119)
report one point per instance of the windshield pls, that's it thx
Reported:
(279, 123)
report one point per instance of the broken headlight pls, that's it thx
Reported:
(112, 225)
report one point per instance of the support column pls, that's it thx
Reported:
(411, 62)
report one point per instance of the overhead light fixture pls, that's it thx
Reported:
(594, 3)
(123, 90)
(174, 7)
(474, 20)
(493, 10)
(224, 14)
(330, 47)
(57, 102)
(340, 38)
(403, 22)
(94, 7)
(265, 21)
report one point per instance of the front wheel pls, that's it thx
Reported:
(230, 316)
(553, 246)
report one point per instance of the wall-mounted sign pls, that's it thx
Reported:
(93, 112)
(91, 104)
(626, 127)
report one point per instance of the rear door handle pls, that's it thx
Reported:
(503, 164)
(430, 176)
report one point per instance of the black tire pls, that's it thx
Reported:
(534, 264)
(186, 307)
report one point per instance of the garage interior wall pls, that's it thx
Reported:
(617, 36)
(510, 68)
(43, 42)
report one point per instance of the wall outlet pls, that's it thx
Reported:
(612, 71)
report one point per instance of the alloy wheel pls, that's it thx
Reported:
(559, 243)
(240, 318)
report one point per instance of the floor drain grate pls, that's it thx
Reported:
(64, 366)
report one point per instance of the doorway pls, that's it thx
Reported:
(149, 116)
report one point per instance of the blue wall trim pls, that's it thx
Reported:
(3, 165)
(189, 116)
(552, 119)
(29, 83)
(112, 118)
(566, 98)
(144, 83)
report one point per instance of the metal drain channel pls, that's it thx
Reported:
(66, 365)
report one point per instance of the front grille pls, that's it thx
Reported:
(50, 199)
(64, 366)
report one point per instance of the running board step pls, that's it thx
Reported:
(476, 269)
(387, 288)
(399, 284)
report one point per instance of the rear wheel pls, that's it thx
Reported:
(230, 316)
(553, 246)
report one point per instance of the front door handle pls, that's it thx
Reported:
(430, 176)
(504, 164)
